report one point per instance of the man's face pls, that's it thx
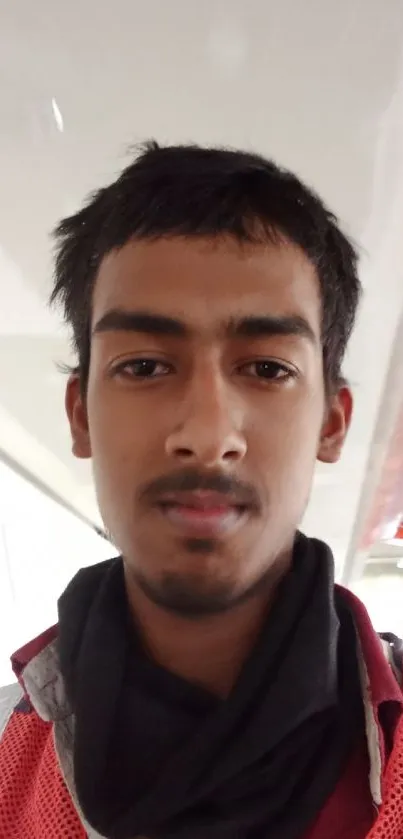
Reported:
(205, 411)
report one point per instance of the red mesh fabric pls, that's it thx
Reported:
(389, 824)
(34, 801)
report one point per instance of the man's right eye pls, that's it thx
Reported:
(143, 368)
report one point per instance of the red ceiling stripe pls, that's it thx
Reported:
(387, 505)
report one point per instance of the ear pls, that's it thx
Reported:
(76, 410)
(336, 425)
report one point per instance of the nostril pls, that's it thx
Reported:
(231, 455)
(185, 454)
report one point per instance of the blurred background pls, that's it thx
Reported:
(318, 86)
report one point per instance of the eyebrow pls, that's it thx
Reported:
(251, 326)
(262, 326)
(120, 320)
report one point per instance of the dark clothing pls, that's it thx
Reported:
(39, 738)
(158, 757)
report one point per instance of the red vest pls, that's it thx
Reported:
(37, 798)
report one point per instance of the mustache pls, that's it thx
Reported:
(192, 480)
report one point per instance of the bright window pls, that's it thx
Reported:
(42, 545)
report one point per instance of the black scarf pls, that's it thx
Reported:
(261, 763)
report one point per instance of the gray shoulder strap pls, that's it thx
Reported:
(393, 651)
(9, 698)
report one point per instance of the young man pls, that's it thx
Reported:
(213, 683)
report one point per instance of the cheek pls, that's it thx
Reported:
(117, 455)
(289, 429)
(115, 423)
(283, 448)
(127, 448)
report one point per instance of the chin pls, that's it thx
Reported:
(187, 592)
(194, 596)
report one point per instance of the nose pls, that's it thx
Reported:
(209, 432)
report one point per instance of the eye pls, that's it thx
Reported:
(143, 368)
(268, 370)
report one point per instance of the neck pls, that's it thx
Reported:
(209, 652)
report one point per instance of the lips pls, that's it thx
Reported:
(209, 513)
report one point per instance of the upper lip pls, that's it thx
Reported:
(202, 499)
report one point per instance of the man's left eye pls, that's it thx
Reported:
(267, 369)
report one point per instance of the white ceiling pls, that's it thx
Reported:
(316, 85)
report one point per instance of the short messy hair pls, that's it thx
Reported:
(200, 192)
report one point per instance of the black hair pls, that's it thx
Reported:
(206, 192)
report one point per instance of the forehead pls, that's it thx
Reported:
(205, 281)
